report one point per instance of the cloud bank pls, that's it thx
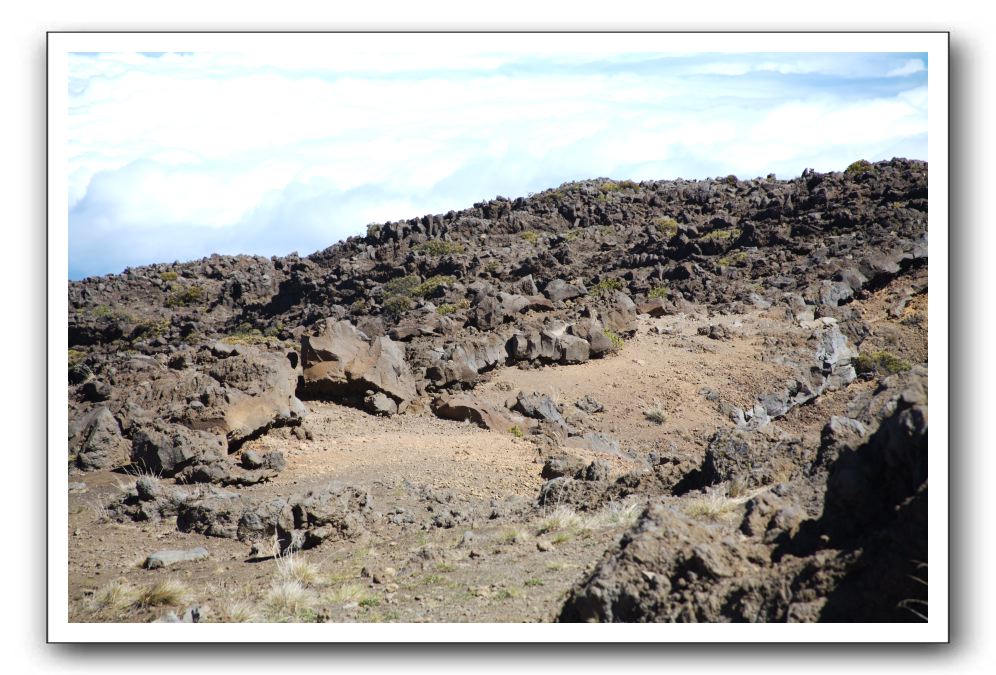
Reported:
(176, 156)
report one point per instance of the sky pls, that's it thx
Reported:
(174, 156)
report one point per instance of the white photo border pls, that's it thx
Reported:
(934, 44)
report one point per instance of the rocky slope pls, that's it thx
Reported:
(796, 491)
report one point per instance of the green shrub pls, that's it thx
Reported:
(401, 285)
(532, 236)
(76, 357)
(606, 286)
(880, 362)
(615, 186)
(359, 307)
(152, 327)
(373, 230)
(658, 292)
(445, 309)
(617, 342)
(436, 248)
(250, 337)
(738, 258)
(191, 295)
(168, 276)
(430, 285)
(666, 225)
(396, 305)
(857, 167)
(721, 235)
(516, 431)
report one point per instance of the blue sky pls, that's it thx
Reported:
(173, 156)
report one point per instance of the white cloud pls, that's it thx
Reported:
(911, 67)
(183, 155)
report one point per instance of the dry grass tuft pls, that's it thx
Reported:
(346, 594)
(655, 414)
(614, 514)
(289, 601)
(715, 507)
(561, 518)
(163, 592)
(240, 611)
(293, 567)
(116, 596)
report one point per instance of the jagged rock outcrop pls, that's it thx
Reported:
(341, 362)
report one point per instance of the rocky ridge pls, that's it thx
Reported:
(173, 368)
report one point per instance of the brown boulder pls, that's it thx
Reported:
(342, 361)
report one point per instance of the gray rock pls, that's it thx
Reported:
(589, 405)
(595, 442)
(342, 362)
(559, 290)
(168, 557)
(100, 444)
(541, 407)
(380, 404)
(164, 449)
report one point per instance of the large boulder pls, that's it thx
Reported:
(620, 316)
(463, 362)
(164, 449)
(99, 443)
(559, 290)
(343, 362)
(260, 393)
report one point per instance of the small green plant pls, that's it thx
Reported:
(738, 258)
(445, 309)
(152, 328)
(369, 602)
(857, 167)
(359, 307)
(373, 230)
(397, 305)
(532, 236)
(492, 267)
(615, 186)
(606, 286)
(250, 337)
(433, 283)
(103, 312)
(516, 431)
(76, 357)
(437, 248)
(168, 276)
(667, 226)
(617, 342)
(533, 582)
(401, 285)
(185, 297)
(431, 580)
(506, 594)
(511, 537)
(721, 235)
(880, 362)
(562, 538)
(658, 292)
